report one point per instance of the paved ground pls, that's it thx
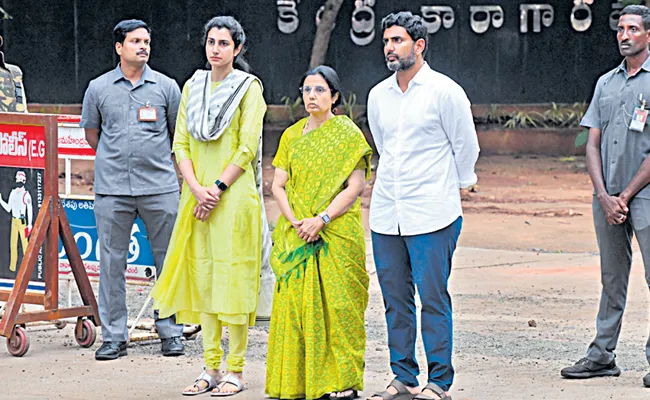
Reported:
(527, 253)
(497, 353)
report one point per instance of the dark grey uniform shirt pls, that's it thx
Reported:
(133, 157)
(611, 110)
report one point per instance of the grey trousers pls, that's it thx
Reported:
(615, 244)
(115, 216)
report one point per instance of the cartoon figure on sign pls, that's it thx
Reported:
(20, 207)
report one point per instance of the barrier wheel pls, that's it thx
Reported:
(18, 343)
(85, 333)
(60, 324)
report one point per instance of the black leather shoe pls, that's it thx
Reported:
(584, 369)
(111, 351)
(646, 380)
(172, 347)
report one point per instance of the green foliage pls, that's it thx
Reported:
(520, 119)
(348, 104)
(555, 117)
(576, 112)
(581, 138)
(493, 115)
(292, 106)
(350, 108)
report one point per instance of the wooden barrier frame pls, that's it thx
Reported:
(50, 223)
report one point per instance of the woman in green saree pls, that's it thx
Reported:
(317, 339)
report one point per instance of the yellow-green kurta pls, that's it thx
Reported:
(214, 266)
(317, 339)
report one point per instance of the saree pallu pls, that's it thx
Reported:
(317, 339)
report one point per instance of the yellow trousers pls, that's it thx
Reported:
(17, 229)
(212, 329)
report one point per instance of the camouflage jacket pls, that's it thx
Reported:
(12, 91)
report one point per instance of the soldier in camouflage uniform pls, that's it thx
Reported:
(12, 91)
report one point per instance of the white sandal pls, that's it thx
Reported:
(205, 377)
(233, 380)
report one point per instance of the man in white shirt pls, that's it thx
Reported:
(19, 205)
(422, 125)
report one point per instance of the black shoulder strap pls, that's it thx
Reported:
(15, 72)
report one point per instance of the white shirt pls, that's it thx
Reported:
(428, 147)
(19, 204)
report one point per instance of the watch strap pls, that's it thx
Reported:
(222, 186)
(325, 217)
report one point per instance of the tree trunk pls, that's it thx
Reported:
(323, 32)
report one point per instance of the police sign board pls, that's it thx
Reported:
(22, 168)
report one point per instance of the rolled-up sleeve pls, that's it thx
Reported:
(250, 126)
(592, 119)
(90, 116)
(458, 124)
(181, 144)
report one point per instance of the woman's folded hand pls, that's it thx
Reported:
(310, 228)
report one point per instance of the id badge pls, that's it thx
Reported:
(147, 114)
(639, 119)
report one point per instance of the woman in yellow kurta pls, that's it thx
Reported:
(317, 339)
(213, 263)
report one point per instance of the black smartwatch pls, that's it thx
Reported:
(222, 186)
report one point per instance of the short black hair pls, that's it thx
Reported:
(414, 25)
(126, 26)
(332, 79)
(643, 11)
(236, 33)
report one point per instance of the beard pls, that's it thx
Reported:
(401, 64)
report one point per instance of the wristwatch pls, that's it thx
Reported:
(326, 218)
(222, 186)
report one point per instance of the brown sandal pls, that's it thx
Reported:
(435, 389)
(402, 392)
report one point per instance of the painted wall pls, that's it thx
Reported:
(497, 58)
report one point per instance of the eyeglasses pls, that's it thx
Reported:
(319, 89)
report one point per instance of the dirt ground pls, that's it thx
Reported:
(527, 256)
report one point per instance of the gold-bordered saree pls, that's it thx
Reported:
(317, 339)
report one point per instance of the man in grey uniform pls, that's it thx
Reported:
(619, 143)
(129, 116)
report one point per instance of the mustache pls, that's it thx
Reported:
(145, 52)
(391, 54)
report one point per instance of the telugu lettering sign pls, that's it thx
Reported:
(80, 213)
(533, 18)
(481, 17)
(22, 146)
(362, 32)
(72, 138)
(581, 15)
(436, 16)
(615, 15)
(288, 20)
